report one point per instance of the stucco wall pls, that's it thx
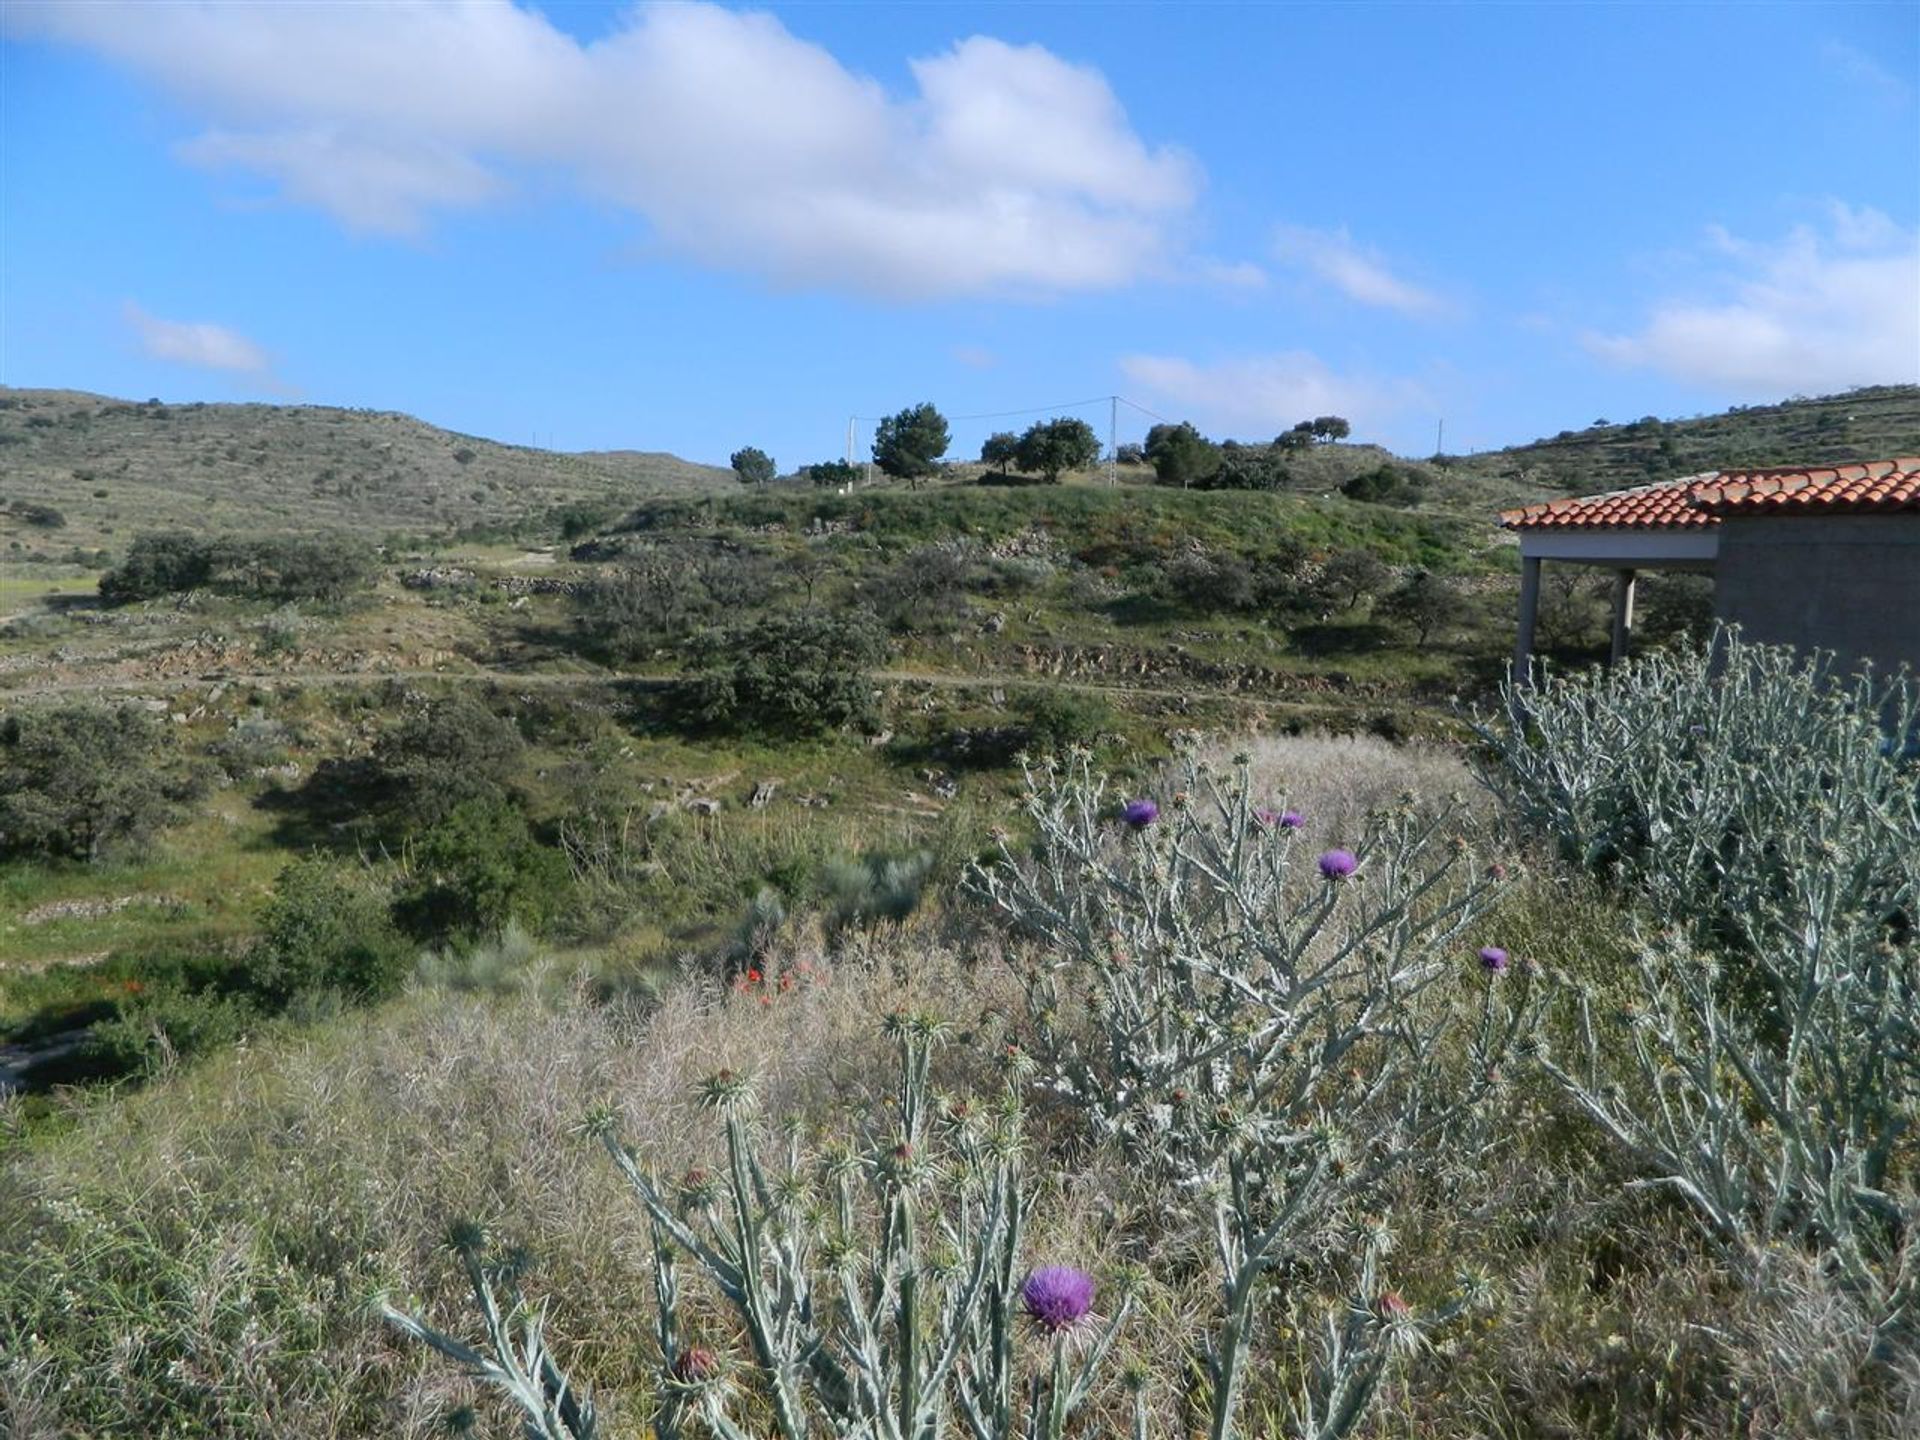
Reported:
(1850, 584)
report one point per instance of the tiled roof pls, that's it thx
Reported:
(1668, 505)
(1875, 487)
(1871, 487)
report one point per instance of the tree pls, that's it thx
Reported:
(451, 751)
(753, 466)
(1350, 576)
(909, 445)
(1426, 603)
(1328, 428)
(159, 562)
(797, 673)
(649, 599)
(832, 474)
(1181, 455)
(1052, 447)
(83, 780)
(1000, 450)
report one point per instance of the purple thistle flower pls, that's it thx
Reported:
(1493, 959)
(1284, 819)
(1057, 1298)
(1338, 864)
(1139, 813)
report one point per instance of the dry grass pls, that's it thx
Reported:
(196, 1259)
(1334, 781)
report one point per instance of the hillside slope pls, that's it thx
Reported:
(1873, 423)
(110, 467)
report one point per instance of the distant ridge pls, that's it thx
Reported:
(109, 467)
(1872, 423)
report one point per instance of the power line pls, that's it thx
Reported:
(1136, 405)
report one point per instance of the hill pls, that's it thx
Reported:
(87, 471)
(1872, 423)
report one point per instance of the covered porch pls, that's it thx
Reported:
(1626, 552)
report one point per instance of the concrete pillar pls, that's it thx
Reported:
(1623, 588)
(1529, 616)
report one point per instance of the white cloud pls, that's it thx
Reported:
(1821, 310)
(1261, 395)
(1358, 273)
(1009, 170)
(1860, 71)
(198, 343)
(1229, 274)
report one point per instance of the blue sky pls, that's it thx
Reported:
(695, 227)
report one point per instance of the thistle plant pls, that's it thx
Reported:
(520, 1366)
(1260, 1027)
(1361, 1340)
(878, 1285)
(1770, 1070)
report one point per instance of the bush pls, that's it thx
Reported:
(794, 674)
(84, 781)
(476, 871)
(1211, 583)
(1425, 603)
(442, 755)
(325, 932)
(651, 599)
(926, 588)
(278, 567)
(167, 1023)
(158, 563)
(1387, 485)
(1054, 719)
(1350, 576)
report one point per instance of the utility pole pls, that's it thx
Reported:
(1440, 437)
(850, 420)
(1113, 440)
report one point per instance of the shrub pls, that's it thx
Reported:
(799, 673)
(282, 567)
(752, 466)
(323, 931)
(1425, 603)
(84, 781)
(651, 599)
(477, 870)
(158, 563)
(1053, 719)
(1353, 575)
(1387, 485)
(926, 587)
(168, 1023)
(1210, 583)
(442, 755)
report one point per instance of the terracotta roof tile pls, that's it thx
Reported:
(1692, 501)
(1875, 487)
(1667, 505)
